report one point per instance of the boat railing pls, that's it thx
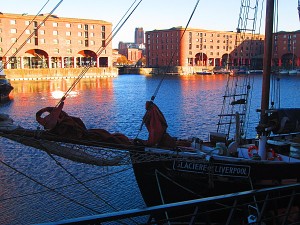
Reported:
(258, 207)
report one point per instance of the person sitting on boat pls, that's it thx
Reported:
(156, 125)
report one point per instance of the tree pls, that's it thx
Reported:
(122, 60)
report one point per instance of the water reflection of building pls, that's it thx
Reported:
(33, 86)
(57, 42)
(200, 47)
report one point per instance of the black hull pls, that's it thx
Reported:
(161, 183)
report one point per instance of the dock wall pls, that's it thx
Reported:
(59, 73)
(173, 70)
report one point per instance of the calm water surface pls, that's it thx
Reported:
(34, 189)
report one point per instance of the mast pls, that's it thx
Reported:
(299, 8)
(268, 45)
(263, 133)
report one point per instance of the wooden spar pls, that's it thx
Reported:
(76, 155)
(267, 61)
(299, 8)
(263, 133)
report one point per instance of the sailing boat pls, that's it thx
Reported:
(223, 166)
(181, 170)
(5, 86)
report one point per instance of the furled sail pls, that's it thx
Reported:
(157, 126)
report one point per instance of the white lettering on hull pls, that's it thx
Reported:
(216, 168)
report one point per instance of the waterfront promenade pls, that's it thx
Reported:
(94, 72)
(59, 73)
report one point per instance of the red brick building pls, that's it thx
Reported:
(134, 51)
(27, 41)
(131, 52)
(198, 47)
(286, 49)
(139, 36)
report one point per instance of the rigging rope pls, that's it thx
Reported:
(173, 54)
(261, 15)
(169, 64)
(64, 186)
(161, 194)
(240, 87)
(30, 36)
(80, 182)
(169, 179)
(96, 153)
(62, 195)
(21, 35)
(47, 187)
(275, 81)
(102, 48)
(85, 186)
(298, 8)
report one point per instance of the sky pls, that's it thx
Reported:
(219, 15)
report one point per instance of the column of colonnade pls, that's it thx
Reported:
(21, 65)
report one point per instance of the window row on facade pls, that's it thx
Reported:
(43, 41)
(57, 41)
(55, 24)
(56, 33)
